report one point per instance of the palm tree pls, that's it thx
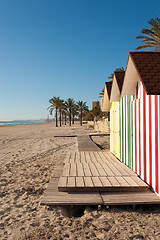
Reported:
(101, 94)
(88, 116)
(70, 104)
(64, 113)
(151, 37)
(96, 113)
(74, 112)
(54, 106)
(60, 107)
(82, 108)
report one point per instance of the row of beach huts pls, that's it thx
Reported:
(133, 100)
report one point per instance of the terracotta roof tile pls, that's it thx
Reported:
(109, 86)
(148, 67)
(119, 77)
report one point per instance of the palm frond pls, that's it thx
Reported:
(151, 37)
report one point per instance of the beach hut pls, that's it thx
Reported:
(103, 124)
(106, 97)
(140, 116)
(118, 78)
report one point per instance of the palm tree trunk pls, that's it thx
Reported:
(70, 117)
(60, 120)
(65, 118)
(81, 118)
(56, 118)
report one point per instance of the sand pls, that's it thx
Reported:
(28, 156)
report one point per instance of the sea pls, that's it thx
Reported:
(19, 122)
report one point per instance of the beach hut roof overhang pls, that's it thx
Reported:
(144, 67)
(106, 98)
(116, 89)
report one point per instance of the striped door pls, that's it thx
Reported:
(152, 141)
(114, 133)
(130, 130)
(126, 130)
(136, 134)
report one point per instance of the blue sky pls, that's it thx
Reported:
(65, 48)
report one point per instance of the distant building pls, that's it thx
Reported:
(95, 104)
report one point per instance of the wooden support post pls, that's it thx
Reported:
(134, 207)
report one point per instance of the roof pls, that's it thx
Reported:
(108, 86)
(119, 77)
(148, 67)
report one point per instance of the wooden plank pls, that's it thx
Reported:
(105, 182)
(79, 182)
(87, 156)
(132, 198)
(77, 160)
(73, 170)
(77, 155)
(121, 169)
(64, 198)
(87, 172)
(98, 165)
(140, 182)
(108, 158)
(98, 158)
(109, 198)
(62, 182)
(114, 169)
(101, 171)
(71, 182)
(131, 173)
(103, 157)
(114, 182)
(108, 170)
(82, 155)
(97, 182)
(85, 165)
(122, 182)
(83, 160)
(72, 157)
(131, 181)
(94, 170)
(122, 165)
(109, 154)
(92, 157)
(80, 171)
(88, 182)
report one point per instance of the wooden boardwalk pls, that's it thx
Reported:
(97, 171)
(114, 175)
(53, 197)
(86, 144)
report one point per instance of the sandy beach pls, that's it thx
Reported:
(28, 156)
